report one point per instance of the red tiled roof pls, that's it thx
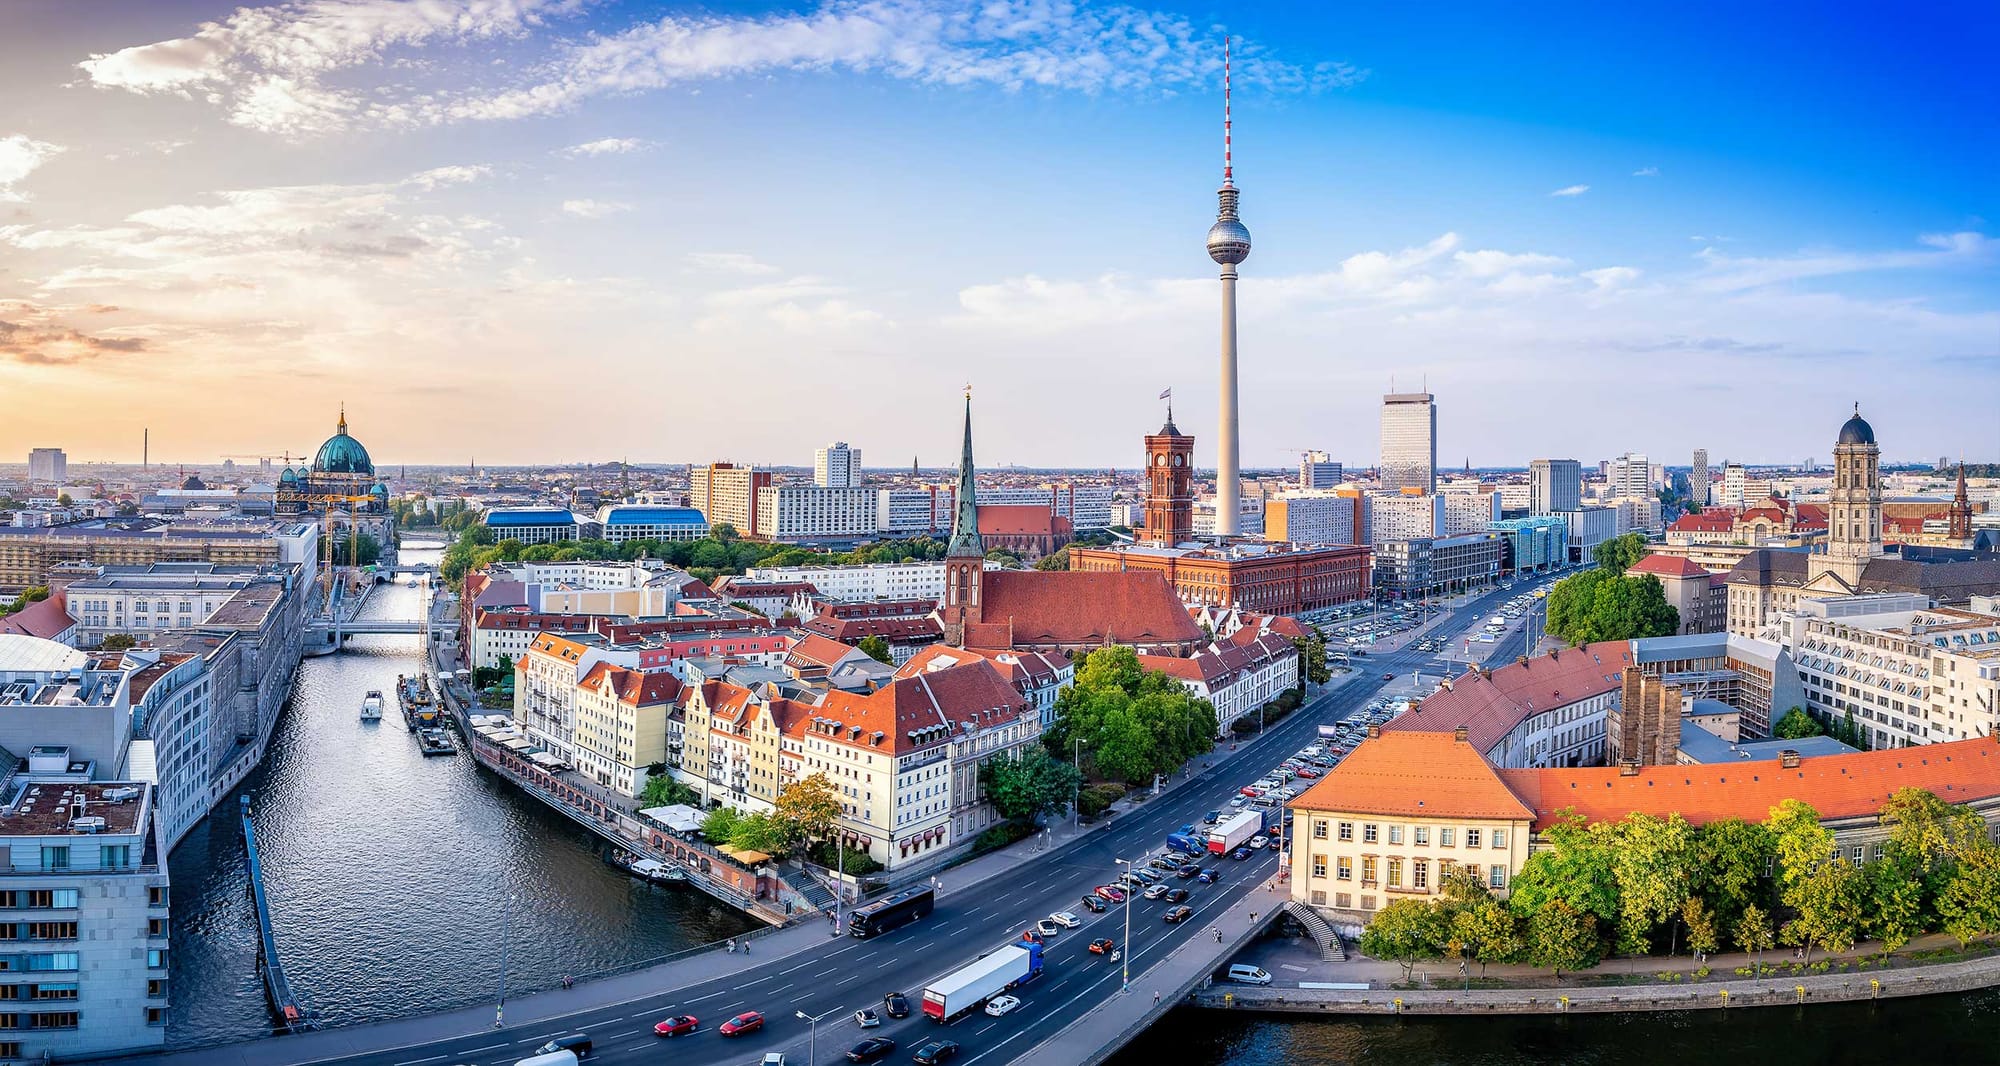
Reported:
(1016, 519)
(632, 687)
(1837, 786)
(1491, 705)
(46, 619)
(1667, 566)
(1414, 775)
(1702, 523)
(1071, 607)
(814, 649)
(902, 629)
(968, 692)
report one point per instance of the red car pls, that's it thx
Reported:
(1251, 791)
(1307, 771)
(1115, 895)
(1388, 677)
(679, 1025)
(747, 1022)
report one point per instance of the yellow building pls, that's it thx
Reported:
(1395, 817)
(621, 724)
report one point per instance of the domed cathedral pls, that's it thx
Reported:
(341, 479)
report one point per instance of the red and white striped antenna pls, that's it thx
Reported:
(1227, 168)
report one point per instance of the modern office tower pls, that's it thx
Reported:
(1630, 475)
(48, 464)
(1317, 470)
(837, 466)
(1409, 441)
(1698, 480)
(1735, 485)
(1554, 486)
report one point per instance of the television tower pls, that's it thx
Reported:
(1228, 244)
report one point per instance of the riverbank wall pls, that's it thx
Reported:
(1778, 991)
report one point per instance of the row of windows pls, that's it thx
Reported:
(1447, 836)
(40, 990)
(38, 930)
(40, 898)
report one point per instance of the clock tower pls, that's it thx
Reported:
(1169, 486)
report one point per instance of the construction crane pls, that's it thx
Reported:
(286, 457)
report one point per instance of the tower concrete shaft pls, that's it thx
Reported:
(1228, 245)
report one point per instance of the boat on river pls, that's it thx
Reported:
(419, 704)
(435, 741)
(652, 870)
(371, 706)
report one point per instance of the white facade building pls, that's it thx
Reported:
(837, 466)
(867, 581)
(1318, 470)
(1310, 518)
(1631, 474)
(48, 464)
(1735, 486)
(1394, 516)
(1469, 512)
(810, 512)
(1903, 677)
(1409, 441)
(1554, 485)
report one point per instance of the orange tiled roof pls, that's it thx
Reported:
(633, 687)
(1491, 704)
(1837, 786)
(1016, 519)
(1409, 774)
(1667, 566)
(1072, 607)
(817, 650)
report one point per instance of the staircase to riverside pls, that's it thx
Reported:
(1316, 927)
(808, 886)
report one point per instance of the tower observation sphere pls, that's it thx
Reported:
(1229, 240)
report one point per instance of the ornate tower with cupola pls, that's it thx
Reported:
(1169, 485)
(1854, 507)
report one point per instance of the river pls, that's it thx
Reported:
(385, 870)
(1936, 1029)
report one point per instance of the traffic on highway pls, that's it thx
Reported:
(983, 974)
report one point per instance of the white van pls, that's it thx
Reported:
(553, 1058)
(1240, 972)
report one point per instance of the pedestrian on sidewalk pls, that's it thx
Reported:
(1156, 995)
(568, 982)
(731, 945)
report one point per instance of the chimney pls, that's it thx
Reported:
(1521, 660)
(1788, 759)
(1552, 653)
(1459, 734)
(1629, 768)
(1374, 731)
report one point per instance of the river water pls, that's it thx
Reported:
(385, 870)
(1932, 1029)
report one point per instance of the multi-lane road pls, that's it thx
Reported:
(834, 979)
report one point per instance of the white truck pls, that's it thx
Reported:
(1235, 832)
(965, 988)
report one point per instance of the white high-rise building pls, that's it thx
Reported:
(1698, 480)
(1631, 475)
(1317, 470)
(48, 464)
(1409, 441)
(1735, 485)
(837, 466)
(1554, 486)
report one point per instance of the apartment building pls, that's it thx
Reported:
(1554, 485)
(1903, 672)
(814, 513)
(866, 581)
(728, 494)
(621, 725)
(1322, 517)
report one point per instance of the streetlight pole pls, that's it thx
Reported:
(506, 927)
(839, 877)
(812, 1032)
(1125, 960)
(1076, 760)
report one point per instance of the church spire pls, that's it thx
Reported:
(965, 515)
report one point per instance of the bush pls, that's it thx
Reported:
(856, 864)
(1095, 799)
(1001, 835)
(1244, 725)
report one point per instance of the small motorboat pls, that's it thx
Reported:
(371, 706)
(655, 870)
(412, 583)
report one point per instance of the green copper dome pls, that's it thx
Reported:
(342, 454)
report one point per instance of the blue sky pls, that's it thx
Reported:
(561, 230)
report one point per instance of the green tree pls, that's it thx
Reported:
(1703, 938)
(1969, 902)
(875, 648)
(1652, 862)
(63, 500)
(1894, 890)
(1575, 869)
(1731, 856)
(1801, 843)
(119, 642)
(1619, 553)
(1055, 560)
(1796, 725)
(1487, 932)
(1132, 723)
(720, 825)
(1029, 785)
(1312, 657)
(128, 509)
(1931, 832)
(663, 791)
(760, 832)
(1601, 605)
(1828, 904)
(1406, 930)
(807, 809)
(1562, 937)
(1753, 931)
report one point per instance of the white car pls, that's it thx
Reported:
(1000, 1005)
(1238, 801)
(1257, 842)
(1048, 927)
(1066, 919)
(1156, 891)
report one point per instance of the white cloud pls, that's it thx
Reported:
(587, 208)
(729, 263)
(1611, 277)
(273, 68)
(1646, 172)
(1488, 264)
(1571, 190)
(607, 146)
(1726, 273)
(440, 177)
(20, 156)
(798, 305)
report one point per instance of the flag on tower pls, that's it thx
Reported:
(1167, 394)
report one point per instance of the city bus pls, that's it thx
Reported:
(890, 912)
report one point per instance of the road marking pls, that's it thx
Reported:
(413, 1062)
(759, 981)
(823, 973)
(801, 966)
(711, 995)
(477, 1050)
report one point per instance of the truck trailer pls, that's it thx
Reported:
(969, 986)
(1233, 833)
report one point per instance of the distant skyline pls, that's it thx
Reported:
(538, 231)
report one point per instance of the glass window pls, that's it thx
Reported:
(1368, 834)
(1346, 831)
(1319, 830)
(1395, 834)
(1319, 866)
(1395, 873)
(1447, 838)
(1496, 876)
(1423, 836)
(1344, 868)
(1368, 869)
(55, 856)
(63, 899)
(1420, 874)
(1472, 838)
(1499, 838)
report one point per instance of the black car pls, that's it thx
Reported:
(871, 1049)
(935, 1053)
(579, 1043)
(1176, 895)
(1187, 871)
(1096, 905)
(1177, 915)
(896, 1005)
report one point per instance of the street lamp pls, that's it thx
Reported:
(1125, 961)
(812, 1032)
(1076, 760)
(506, 925)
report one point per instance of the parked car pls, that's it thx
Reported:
(1095, 905)
(1066, 919)
(747, 1022)
(870, 1050)
(896, 1005)
(1149, 876)
(1177, 915)
(1244, 973)
(936, 1053)
(1155, 891)
(1211, 817)
(999, 1006)
(1238, 801)
(867, 1019)
(678, 1025)
(1111, 893)
(1176, 895)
